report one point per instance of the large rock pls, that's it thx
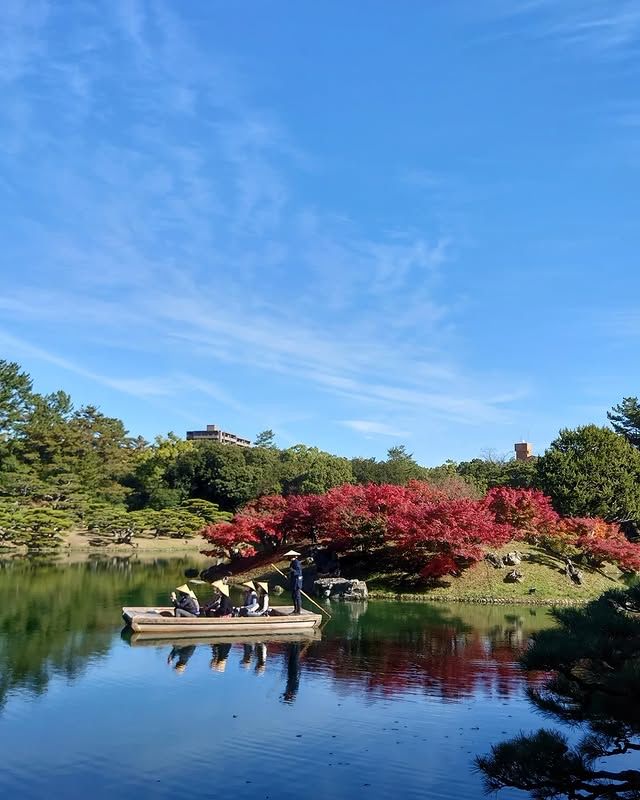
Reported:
(341, 588)
(494, 559)
(571, 571)
(512, 559)
(515, 576)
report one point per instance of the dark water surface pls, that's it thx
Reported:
(394, 701)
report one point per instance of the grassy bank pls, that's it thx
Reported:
(544, 582)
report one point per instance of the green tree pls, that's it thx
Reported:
(208, 512)
(593, 654)
(485, 473)
(215, 472)
(16, 394)
(367, 470)
(37, 527)
(266, 466)
(149, 482)
(307, 470)
(592, 472)
(625, 420)
(401, 467)
(266, 438)
(177, 523)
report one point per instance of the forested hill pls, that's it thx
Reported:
(63, 467)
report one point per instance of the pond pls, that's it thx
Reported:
(395, 699)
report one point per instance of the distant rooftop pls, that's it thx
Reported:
(524, 451)
(214, 434)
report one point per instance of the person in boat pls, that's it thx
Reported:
(182, 656)
(295, 580)
(220, 606)
(262, 592)
(263, 597)
(224, 608)
(185, 602)
(250, 603)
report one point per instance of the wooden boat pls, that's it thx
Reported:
(160, 622)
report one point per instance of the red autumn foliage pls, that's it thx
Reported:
(259, 523)
(601, 541)
(528, 511)
(431, 530)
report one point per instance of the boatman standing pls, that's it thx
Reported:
(295, 580)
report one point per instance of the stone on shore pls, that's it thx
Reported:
(341, 588)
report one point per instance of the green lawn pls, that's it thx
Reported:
(542, 572)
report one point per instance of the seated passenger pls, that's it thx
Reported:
(262, 594)
(263, 588)
(250, 604)
(223, 604)
(185, 603)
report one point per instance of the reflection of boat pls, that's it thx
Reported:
(188, 638)
(160, 622)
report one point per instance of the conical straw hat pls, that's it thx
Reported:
(292, 553)
(248, 584)
(221, 587)
(185, 590)
(264, 586)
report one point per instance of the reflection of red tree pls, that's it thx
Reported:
(443, 661)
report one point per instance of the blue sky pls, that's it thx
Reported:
(356, 223)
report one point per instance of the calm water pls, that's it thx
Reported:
(395, 700)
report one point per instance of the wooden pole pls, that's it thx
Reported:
(305, 594)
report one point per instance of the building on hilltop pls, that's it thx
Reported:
(214, 434)
(524, 451)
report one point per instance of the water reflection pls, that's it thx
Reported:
(65, 614)
(396, 696)
(591, 685)
(219, 656)
(181, 655)
(453, 652)
(67, 617)
(386, 650)
(253, 657)
(293, 673)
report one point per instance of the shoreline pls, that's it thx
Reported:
(75, 548)
(407, 597)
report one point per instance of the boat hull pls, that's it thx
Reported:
(151, 621)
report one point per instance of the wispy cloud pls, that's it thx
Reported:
(372, 428)
(602, 28)
(141, 388)
(180, 232)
